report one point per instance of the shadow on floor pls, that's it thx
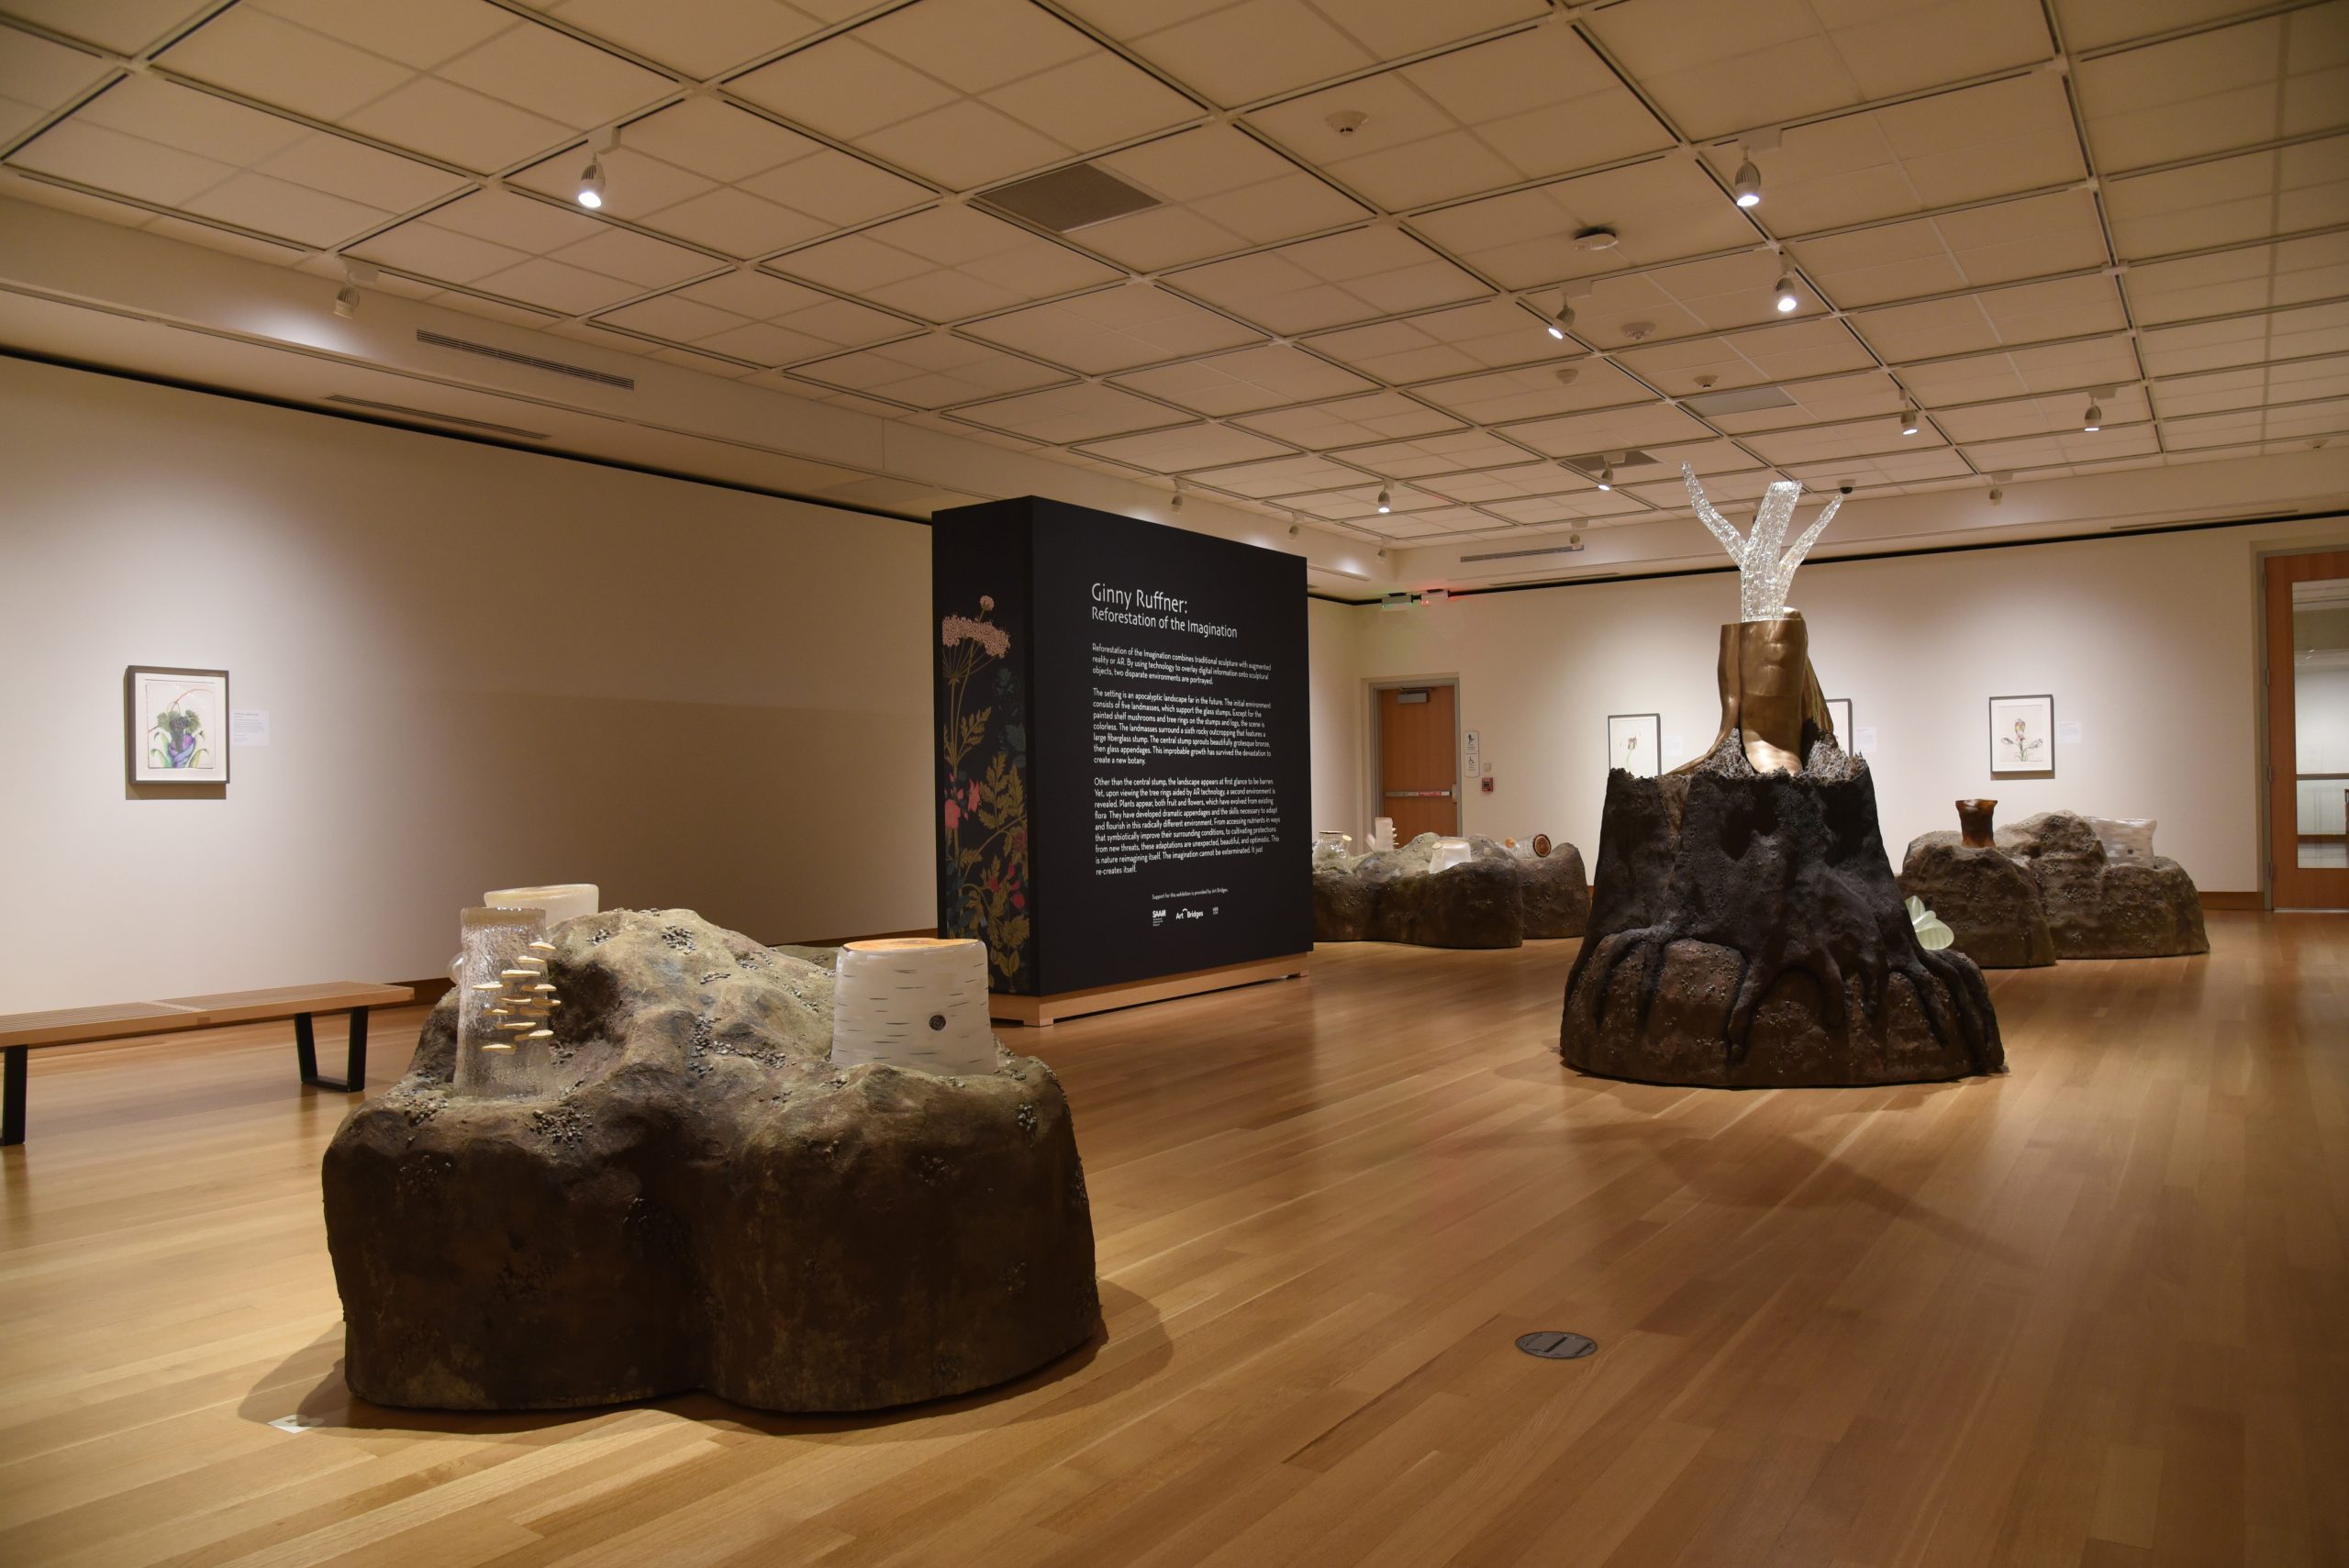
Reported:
(1141, 1348)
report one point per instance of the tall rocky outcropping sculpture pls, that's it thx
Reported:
(1745, 927)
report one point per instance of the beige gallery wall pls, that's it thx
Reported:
(482, 668)
(2148, 642)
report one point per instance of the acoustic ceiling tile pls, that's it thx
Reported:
(1864, 473)
(2098, 24)
(1608, 429)
(1064, 414)
(2049, 416)
(2029, 312)
(2296, 424)
(2040, 451)
(944, 264)
(1330, 282)
(1246, 380)
(552, 285)
(1223, 190)
(1114, 328)
(2214, 92)
(702, 38)
(2257, 195)
(1517, 108)
(2258, 277)
(1716, 69)
(1591, 505)
(1352, 421)
(929, 371)
(1976, 248)
(1797, 348)
(1858, 438)
(1829, 400)
(1488, 335)
(1533, 391)
(1186, 448)
(456, 125)
(1239, 50)
(1280, 476)
(125, 27)
(38, 78)
(1460, 452)
(2094, 362)
(1998, 138)
(248, 50)
(1667, 209)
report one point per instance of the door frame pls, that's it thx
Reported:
(2276, 793)
(1374, 786)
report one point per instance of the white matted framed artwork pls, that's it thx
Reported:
(1634, 742)
(2023, 737)
(177, 724)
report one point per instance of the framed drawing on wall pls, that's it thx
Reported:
(1839, 714)
(1633, 740)
(177, 723)
(2022, 738)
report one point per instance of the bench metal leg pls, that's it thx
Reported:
(354, 1071)
(12, 1096)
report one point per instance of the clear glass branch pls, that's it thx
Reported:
(1764, 573)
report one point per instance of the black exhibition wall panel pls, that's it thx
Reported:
(1124, 772)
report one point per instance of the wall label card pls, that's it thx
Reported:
(248, 726)
(2067, 732)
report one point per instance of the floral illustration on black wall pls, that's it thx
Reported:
(983, 804)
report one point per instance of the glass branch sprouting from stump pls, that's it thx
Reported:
(1768, 691)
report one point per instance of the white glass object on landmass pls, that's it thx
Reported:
(2321, 721)
(918, 1002)
(506, 1002)
(1332, 845)
(1449, 853)
(1382, 833)
(561, 900)
(1932, 934)
(1764, 572)
(2125, 837)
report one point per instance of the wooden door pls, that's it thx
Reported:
(1418, 761)
(2307, 731)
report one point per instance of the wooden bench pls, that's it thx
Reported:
(21, 1033)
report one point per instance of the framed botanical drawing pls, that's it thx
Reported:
(178, 725)
(1839, 714)
(1633, 740)
(2022, 738)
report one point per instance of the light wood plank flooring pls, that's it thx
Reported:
(2094, 1312)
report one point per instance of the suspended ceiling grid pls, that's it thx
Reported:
(1365, 219)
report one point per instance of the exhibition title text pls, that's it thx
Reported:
(1137, 606)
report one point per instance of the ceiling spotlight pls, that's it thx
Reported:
(1909, 425)
(1606, 472)
(1748, 186)
(1787, 298)
(346, 298)
(1385, 499)
(2093, 420)
(591, 184)
(1564, 319)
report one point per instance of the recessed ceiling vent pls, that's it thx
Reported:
(1069, 199)
(1745, 400)
(406, 412)
(1522, 554)
(491, 351)
(1591, 464)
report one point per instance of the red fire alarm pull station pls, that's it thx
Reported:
(1487, 782)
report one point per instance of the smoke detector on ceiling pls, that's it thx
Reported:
(1568, 375)
(1345, 122)
(1598, 239)
(1639, 331)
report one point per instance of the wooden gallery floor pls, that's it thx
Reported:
(2096, 1311)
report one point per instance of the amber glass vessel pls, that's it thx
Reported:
(1974, 823)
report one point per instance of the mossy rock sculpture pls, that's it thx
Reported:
(705, 1203)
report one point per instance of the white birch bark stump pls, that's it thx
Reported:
(919, 1002)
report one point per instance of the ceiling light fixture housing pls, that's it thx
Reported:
(1598, 238)
(1385, 499)
(354, 276)
(1909, 421)
(2093, 419)
(590, 194)
(1748, 184)
(1788, 299)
